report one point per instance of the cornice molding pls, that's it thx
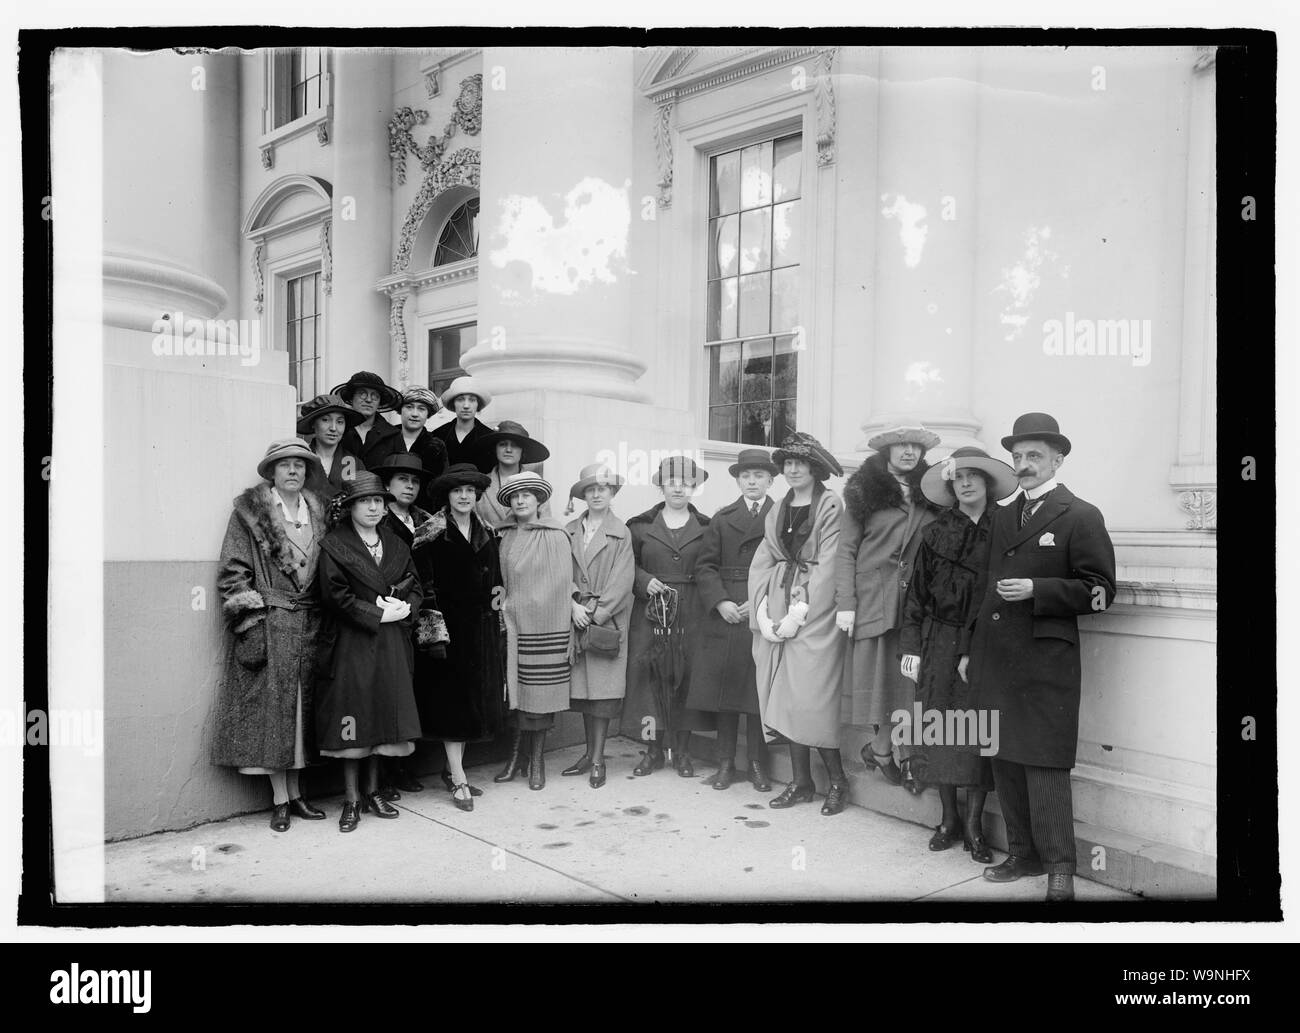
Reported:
(732, 69)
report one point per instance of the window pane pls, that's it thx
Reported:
(307, 339)
(787, 164)
(722, 423)
(783, 420)
(784, 367)
(785, 234)
(756, 175)
(308, 296)
(291, 343)
(755, 240)
(721, 324)
(756, 371)
(722, 246)
(755, 298)
(785, 298)
(724, 187)
(724, 374)
(755, 423)
(296, 65)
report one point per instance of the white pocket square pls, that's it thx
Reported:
(1047, 539)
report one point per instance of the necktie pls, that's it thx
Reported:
(753, 509)
(1027, 510)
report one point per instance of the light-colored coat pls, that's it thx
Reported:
(604, 573)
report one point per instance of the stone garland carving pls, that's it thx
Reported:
(258, 283)
(1203, 508)
(466, 115)
(461, 168)
(326, 257)
(664, 152)
(397, 331)
(824, 100)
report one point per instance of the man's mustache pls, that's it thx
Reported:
(1024, 473)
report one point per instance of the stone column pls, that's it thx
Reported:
(926, 239)
(555, 295)
(362, 222)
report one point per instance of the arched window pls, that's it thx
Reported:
(459, 238)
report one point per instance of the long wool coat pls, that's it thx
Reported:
(364, 692)
(657, 556)
(461, 697)
(1024, 656)
(537, 572)
(722, 670)
(269, 596)
(604, 573)
(799, 678)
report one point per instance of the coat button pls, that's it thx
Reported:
(996, 616)
(1011, 552)
(676, 557)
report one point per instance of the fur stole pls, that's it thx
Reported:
(436, 527)
(261, 515)
(873, 488)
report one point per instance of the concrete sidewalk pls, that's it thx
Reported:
(659, 838)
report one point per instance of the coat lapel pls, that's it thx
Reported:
(1052, 507)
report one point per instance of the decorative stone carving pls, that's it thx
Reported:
(461, 168)
(431, 83)
(326, 257)
(258, 282)
(824, 101)
(664, 151)
(323, 132)
(397, 332)
(400, 140)
(268, 157)
(468, 109)
(1203, 508)
(466, 115)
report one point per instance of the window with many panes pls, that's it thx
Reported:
(302, 333)
(459, 238)
(446, 345)
(299, 83)
(753, 290)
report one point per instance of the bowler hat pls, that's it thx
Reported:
(531, 451)
(937, 482)
(753, 459)
(467, 386)
(912, 433)
(1039, 427)
(289, 448)
(803, 446)
(524, 481)
(679, 468)
(389, 397)
(365, 485)
(323, 405)
(400, 462)
(458, 476)
(594, 473)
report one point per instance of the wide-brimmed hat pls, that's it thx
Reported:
(400, 462)
(288, 448)
(902, 435)
(531, 451)
(524, 481)
(363, 486)
(1040, 427)
(459, 475)
(801, 445)
(937, 482)
(389, 397)
(421, 396)
(323, 405)
(594, 473)
(679, 468)
(753, 459)
(467, 386)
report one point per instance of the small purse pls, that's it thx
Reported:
(602, 639)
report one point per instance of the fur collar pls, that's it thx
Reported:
(261, 515)
(436, 527)
(873, 488)
(648, 517)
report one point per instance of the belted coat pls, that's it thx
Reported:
(603, 573)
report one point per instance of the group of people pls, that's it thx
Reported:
(386, 583)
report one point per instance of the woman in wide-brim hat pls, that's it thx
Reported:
(604, 571)
(459, 687)
(666, 544)
(537, 573)
(326, 420)
(366, 392)
(504, 452)
(371, 594)
(264, 706)
(941, 599)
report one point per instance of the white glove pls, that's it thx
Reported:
(765, 622)
(844, 621)
(794, 619)
(911, 666)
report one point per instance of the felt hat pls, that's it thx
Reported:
(389, 397)
(914, 433)
(457, 476)
(363, 486)
(1040, 427)
(323, 405)
(524, 481)
(467, 386)
(289, 448)
(400, 462)
(421, 396)
(679, 468)
(800, 445)
(508, 430)
(937, 482)
(594, 473)
(753, 459)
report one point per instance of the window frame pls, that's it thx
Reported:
(283, 285)
(274, 71)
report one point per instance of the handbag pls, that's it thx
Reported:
(604, 640)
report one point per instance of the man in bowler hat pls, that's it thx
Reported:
(1050, 559)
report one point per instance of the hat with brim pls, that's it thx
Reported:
(458, 476)
(753, 459)
(400, 462)
(594, 473)
(1037, 426)
(679, 468)
(289, 448)
(365, 485)
(524, 481)
(508, 430)
(802, 446)
(323, 405)
(937, 482)
(467, 386)
(913, 434)
(389, 397)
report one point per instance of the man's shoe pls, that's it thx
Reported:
(758, 777)
(725, 776)
(1060, 887)
(303, 809)
(1013, 868)
(280, 818)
